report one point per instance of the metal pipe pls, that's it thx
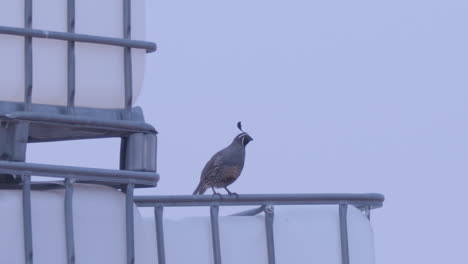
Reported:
(28, 71)
(82, 174)
(214, 214)
(129, 224)
(27, 222)
(136, 126)
(373, 200)
(71, 57)
(269, 217)
(37, 33)
(158, 216)
(69, 233)
(127, 33)
(343, 209)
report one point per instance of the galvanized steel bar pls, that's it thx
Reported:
(214, 214)
(71, 57)
(28, 71)
(37, 33)
(343, 209)
(269, 217)
(158, 216)
(131, 126)
(80, 174)
(69, 233)
(127, 33)
(373, 200)
(123, 152)
(129, 224)
(27, 222)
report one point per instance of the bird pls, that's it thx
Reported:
(225, 166)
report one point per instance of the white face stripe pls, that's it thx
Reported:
(242, 138)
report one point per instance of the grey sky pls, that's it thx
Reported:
(339, 96)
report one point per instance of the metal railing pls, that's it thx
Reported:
(364, 202)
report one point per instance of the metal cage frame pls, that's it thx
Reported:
(266, 202)
(23, 123)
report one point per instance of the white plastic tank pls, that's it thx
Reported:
(98, 223)
(99, 68)
(303, 234)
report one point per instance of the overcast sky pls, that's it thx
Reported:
(339, 96)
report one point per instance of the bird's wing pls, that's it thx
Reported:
(213, 165)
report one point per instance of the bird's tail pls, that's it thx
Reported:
(201, 189)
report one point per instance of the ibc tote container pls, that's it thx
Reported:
(73, 221)
(99, 68)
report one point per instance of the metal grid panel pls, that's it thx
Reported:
(71, 37)
(364, 202)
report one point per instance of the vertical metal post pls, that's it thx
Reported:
(71, 57)
(343, 210)
(214, 213)
(129, 224)
(367, 212)
(269, 217)
(123, 152)
(127, 29)
(28, 71)
(27, 223)
(158, 216)
(69, 234)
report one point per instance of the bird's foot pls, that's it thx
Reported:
(231, 193)
(217, 194)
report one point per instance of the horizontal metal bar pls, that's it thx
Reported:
(136, 126)
(35, 186)
(7, 107)
(37, 33)
(373, 200)
(148, 179)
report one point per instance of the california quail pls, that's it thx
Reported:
(225, 166)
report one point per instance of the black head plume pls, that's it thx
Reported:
(239, 125)
(243, 138)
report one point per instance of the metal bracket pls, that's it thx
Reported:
(13, 140)
(139, 152)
